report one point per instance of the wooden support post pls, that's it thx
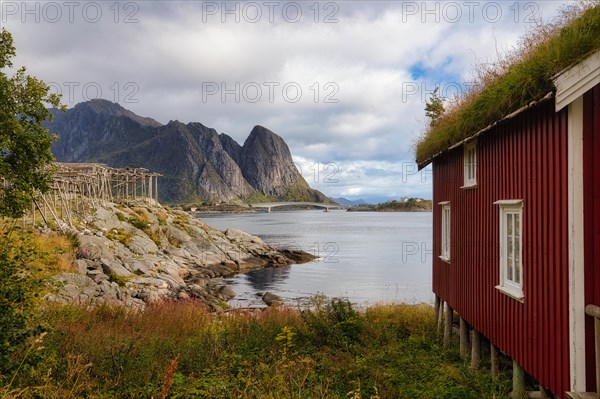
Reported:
(436, 308)
(495, 361)
(156, 187)
(440, 321)
(597, 344)
(149, 188)
(448, 325)
(44, 215)
(475, 349)
(518, 391)
(464, 339)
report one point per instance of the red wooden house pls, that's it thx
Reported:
(516, 231)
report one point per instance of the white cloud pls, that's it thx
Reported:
(163, 64)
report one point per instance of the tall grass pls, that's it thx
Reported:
(518, 78)
(332, 351)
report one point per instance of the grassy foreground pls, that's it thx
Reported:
(180, 350)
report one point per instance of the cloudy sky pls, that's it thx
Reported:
(343, 82)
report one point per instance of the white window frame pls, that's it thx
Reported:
(511, 260)
(470, 164)
(446, 231)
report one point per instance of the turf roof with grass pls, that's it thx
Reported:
(520, 79)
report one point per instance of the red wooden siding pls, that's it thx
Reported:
(525, 158)
(591, 176)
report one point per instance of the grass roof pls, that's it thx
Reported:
(517, 80)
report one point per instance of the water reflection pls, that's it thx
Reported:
(365, 257)
(267, 279)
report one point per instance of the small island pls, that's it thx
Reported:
(402, 205)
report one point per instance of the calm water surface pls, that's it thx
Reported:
(367, 257)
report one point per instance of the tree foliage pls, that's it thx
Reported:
(25, 154)
(25, 159)
(434, 108)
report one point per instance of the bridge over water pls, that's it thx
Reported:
(270, 205)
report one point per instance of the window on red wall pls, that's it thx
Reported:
(470, 164)
(511, 248)
(446, 220)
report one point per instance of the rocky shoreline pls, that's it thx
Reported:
(139, 254)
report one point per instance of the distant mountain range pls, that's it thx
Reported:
(346, 202)
(197, 163)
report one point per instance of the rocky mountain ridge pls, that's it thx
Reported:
(197, 163)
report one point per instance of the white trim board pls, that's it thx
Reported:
(575, 243)
(573, 82)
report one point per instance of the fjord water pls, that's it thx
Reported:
(366, 257)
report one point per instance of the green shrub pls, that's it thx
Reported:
(16, 295)
(139, 219)
(336, 323)
(124, 237)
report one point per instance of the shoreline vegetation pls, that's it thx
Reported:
(405, 205)
(402, 205)
(182, 350)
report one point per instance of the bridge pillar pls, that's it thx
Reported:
(268, 209)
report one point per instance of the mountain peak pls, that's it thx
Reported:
(101, 105)
(261, 130)
(108, 108)
(197, 163)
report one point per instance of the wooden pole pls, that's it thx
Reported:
(448, 325)
(55, 217)
(518, 382)
(436, 307)
(597, 343)
(440, 321)
(143, 177)
(495, 361)
(464, 339)
(475, 349)
(41, 213)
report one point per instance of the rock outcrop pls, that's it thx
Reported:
(137, 255)
(196, 162)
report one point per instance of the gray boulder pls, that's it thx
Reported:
(114, 267)
(271, 299)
